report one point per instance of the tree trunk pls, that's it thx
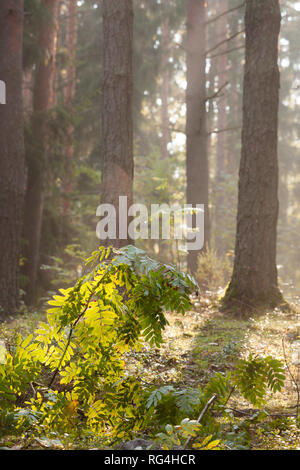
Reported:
(235, 98)
(254, 279)
(43, 101)
(27, 92)
(69, 95)
(221, 161)
(196, 158)
(165, 81)
(12, 154)
(117, 126)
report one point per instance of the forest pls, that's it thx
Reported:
(149, 225)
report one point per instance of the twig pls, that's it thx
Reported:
(216, 94)
(69, 341)
(216, 18)
(215, 131)
(248, 413)
(230, 394)
(203, 412)
(33, 389)
(224, 41)
(72, 328)
(218, 131)
(242, 46)
(172, 129)
(178, 44)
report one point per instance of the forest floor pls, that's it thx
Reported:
(205, 341)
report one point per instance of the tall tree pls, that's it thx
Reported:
(117, 126)
(196, 133)
(43, 101)
(12, 154)
(69, 95)
(165, 79)
(254, 279)
(221, 156)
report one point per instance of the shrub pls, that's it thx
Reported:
(73, 366)
(213, 272)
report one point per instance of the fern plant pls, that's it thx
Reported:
(252, 378)
(257, 374)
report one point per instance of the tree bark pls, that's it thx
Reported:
(69, 95)
(12, 154)
(116, 119)
(254, 279)
(27, 92)
(165, 81)
(43, 101)
(221, 160)
(196, 158)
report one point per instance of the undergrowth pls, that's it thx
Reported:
(66, 385)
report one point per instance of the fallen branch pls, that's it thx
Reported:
(248, 412)
(203, 413)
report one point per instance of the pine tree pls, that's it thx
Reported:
(69, 95)
(12, 154)
(196, 133)
(116, 120)
(254, 279)
(221, 151)
(43, 101)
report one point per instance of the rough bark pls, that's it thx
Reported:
(116, 119)
(254, 279)
(43, 101)
(196, 158)
(12, 154)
